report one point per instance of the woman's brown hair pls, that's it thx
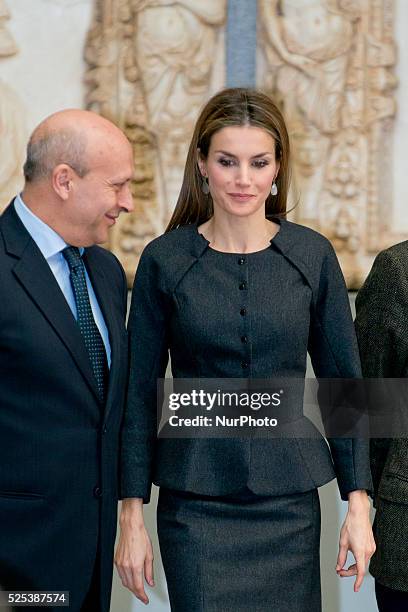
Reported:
(231, 107)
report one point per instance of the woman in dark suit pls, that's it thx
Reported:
(233, 290)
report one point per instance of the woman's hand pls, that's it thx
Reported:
(356, 535)
(134, 554)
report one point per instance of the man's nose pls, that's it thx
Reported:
(125, 201)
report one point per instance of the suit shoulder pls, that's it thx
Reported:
(389, 268)
(311, 246)
(180, 243)
(308, 236)
(167, 258)
(395, 254)
(103, 258)
(104, 255)
(387, 282)
(179, 238)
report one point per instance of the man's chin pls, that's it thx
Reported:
(103, 239)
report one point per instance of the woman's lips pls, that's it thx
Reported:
(241, 197)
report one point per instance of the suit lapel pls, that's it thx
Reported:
(103, 292)
(35, 275)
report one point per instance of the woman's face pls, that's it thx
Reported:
(240, 168)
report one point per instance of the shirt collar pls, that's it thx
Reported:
(48, 241)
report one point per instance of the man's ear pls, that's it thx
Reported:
(62, 184)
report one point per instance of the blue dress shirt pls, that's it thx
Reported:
(51, 245)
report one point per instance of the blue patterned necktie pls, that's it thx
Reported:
(86, 322)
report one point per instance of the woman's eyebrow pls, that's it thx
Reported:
(253, 156)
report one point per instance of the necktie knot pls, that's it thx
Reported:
(73, 257)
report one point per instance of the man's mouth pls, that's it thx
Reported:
(112, 218)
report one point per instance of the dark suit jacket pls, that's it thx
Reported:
(186, 303)
(58, 444)
(382, 332)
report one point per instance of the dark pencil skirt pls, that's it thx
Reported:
(241, 552)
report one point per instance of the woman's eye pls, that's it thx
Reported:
(258, 163)
(226, 162)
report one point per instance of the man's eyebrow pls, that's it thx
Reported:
(121, 180)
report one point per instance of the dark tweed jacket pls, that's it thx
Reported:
(382, 332)
(186, 300)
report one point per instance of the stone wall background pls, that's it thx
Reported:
(42, 70)
(149, 65)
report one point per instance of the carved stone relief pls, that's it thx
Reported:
(12, 132)
(150, 68)
(7, 43)
(329, 64)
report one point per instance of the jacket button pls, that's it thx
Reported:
(241, 261)
(97, 492)
(243, 312)
(244, 339)
(244, 365)
(243, 286)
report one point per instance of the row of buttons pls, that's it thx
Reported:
(243, 286)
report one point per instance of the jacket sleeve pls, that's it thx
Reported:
(334, 353)
(381, 327)
(148, 361)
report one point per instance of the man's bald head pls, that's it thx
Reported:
(67, 137)
(78, 172)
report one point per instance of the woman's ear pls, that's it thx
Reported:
(201, 163)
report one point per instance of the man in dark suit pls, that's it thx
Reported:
(382, 331)
(63, 361)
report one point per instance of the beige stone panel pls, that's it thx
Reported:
(12, 144)
(151, 66)
(8, 45)
(331, 66)
(12, 132)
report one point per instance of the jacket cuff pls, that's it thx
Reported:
(135, 488)
(352, 466)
